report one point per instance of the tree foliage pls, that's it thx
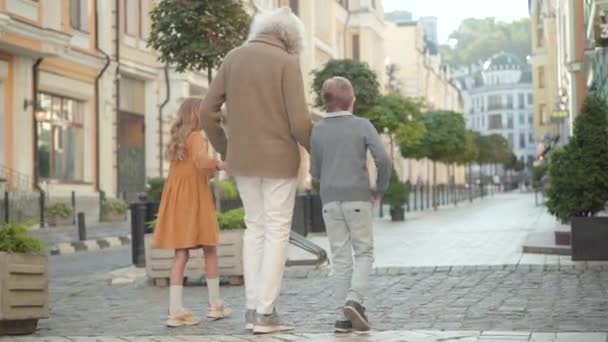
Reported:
(196, 35)
(578, 173)
(479, 39)
(399, 117)
(444, 138)
(363, 79)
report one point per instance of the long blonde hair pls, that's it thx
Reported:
(187, 121)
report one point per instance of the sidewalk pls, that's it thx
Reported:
(64, 240)
(491, 231)
(386, 336)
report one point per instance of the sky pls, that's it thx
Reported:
(451, 12)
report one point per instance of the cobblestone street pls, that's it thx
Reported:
(522, 298)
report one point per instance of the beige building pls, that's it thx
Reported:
(421, 75)
(85, 106)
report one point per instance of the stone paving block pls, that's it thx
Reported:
(543, 337)
(114, 241)
(581, 337)
(443, 269)
(65, 248)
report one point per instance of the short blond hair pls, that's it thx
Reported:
(338, 94)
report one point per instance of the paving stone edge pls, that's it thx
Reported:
(65, 248)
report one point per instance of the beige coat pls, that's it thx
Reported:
(267, 114)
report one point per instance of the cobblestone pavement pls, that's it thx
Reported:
(387, 336)
(54, 236)
(513, 299)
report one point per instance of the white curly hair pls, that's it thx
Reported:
(281, 23)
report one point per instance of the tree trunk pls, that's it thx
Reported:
(435, 204)
(217, 193)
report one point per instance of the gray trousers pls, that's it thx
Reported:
(349, 228)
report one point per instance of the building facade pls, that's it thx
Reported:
(498, 99)
(596, 24)
(85, 105)
(419, 74)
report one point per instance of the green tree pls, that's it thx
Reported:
(196, 35)
(444, 138)
(400, 118)
(479, 39)
(578, 173)
(363, 79)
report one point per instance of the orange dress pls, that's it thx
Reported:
(186, 217)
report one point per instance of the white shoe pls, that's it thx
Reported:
(181, 319)
(218, 312)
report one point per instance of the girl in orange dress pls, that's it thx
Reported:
(186, 217)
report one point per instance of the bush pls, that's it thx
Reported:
(14, 239)
(233, 219)
(63, 210)
(578, 173)
(116, 206)
(155, 189)
(397, 193)
(228, 189)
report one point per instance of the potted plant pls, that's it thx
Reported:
(396, 196)
(114, 210)
(59, 214)
(24, 281)
(578, 182)
(229, 195)
(230, 251)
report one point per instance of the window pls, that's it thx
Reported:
(295, 6)
(531, 119)
(522, 119)
(531, 138)
(495, 121)
(79, 15)
(510, 101)
(61, 138)
(540, 36)
(511, 140)
(530, 100)
(542, 110)
(483, 121)
(522, 140)
(494, 102)
(541, 77)
(356, 52)
(373, 3)
(521, 100)
(510, 121)
(137, 18)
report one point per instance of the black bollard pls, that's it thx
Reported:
(74, 207)
(82, 227)
(137, 236)
(42, 208)
(6, 208)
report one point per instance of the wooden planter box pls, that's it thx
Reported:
(230, 253)
(113, 217)
(24, 294)
(57, 221)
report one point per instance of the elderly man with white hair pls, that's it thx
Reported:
(267, 118)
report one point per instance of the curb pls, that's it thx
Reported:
(65, 248)
(324, 272)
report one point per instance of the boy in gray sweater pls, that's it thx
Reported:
(338, 159)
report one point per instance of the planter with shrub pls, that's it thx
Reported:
(114, 210)
(578, 182)
(396, 196)
(24, 281)
(230, 252)
(60, 214)
(230, 199)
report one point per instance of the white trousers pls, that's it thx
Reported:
(268, 204)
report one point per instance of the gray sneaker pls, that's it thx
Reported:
(266, 324)
(249, 319)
